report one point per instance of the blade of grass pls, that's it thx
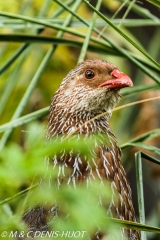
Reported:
(25, 119)
(61, 10)
(139, 180)
(44, 8)
(69, 18)
(146, 146)
(134, 225)
(114, 15)
(154, 46)
(143, 12)
(126, 122)
(127, 11)
(27, 95)
(12, 59)
(19, 194)
(88, 36)
(155, 2)
(102, 48)
(142, 138)
(37, 21)
(19, 24)
(123, 34)
(25, 6)
(129, 91)
(11, 83)
(150, 158)
(49, 40)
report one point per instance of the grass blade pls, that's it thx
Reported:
(25, 119)
(134, 225)
(139, 180)
(129, 91)
(142, 138)
(123, 34)
(88, 36)
(27, 95)
(150, 158)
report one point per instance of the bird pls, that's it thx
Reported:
(89, 90)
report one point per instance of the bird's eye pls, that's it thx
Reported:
(89, 74)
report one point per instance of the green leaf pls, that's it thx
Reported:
(129, 91)
(150, 158)
(147, 147)
(134, 225)
(155, 2)
(25, 119)
(140, 194)
(142, 138)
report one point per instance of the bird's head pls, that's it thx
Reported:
(93, 85)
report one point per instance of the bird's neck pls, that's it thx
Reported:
(62, 121)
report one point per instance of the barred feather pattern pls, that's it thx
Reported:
(74, 103)
(105, 164)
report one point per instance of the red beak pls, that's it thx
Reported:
(120, 80)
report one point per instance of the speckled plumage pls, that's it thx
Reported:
(78, 100)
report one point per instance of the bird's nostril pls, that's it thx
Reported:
(115, 73)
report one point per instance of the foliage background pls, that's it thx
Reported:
(19, 158)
